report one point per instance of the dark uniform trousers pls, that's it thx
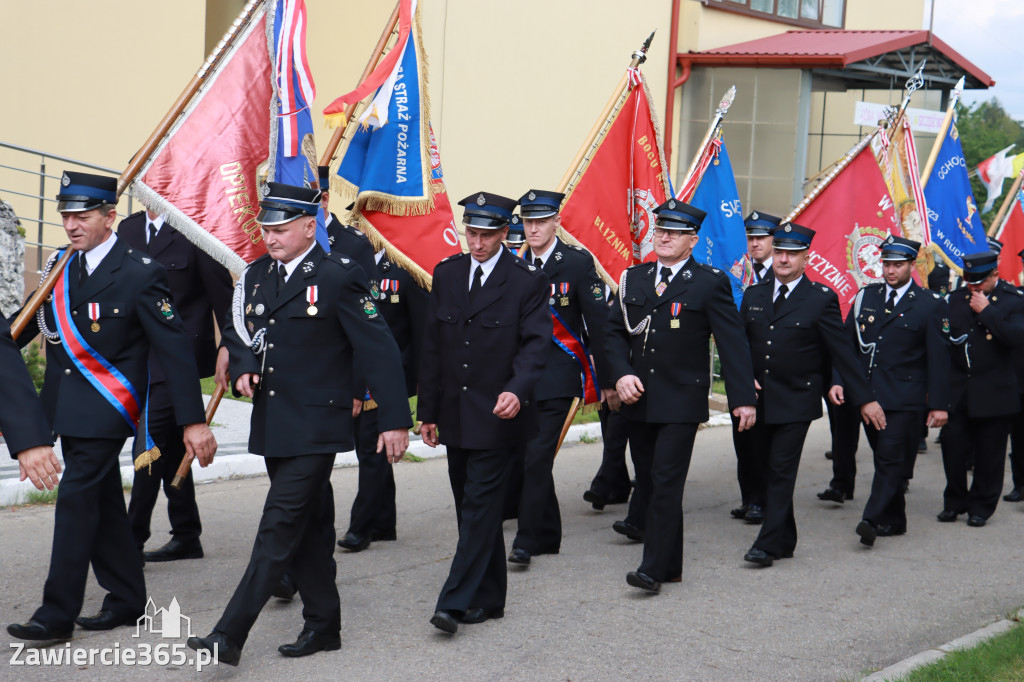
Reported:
(845, 421)
(983, 441)
(181, 503)
(373, 508)
(894, 447)
(662, 458)
(294, 500)
(91, 527)
(612, 480)
(780, 445)
(751, 468)
(477, 578)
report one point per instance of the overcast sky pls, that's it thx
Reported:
(989, 33)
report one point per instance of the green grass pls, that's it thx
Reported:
(584, 438)
(586, 416)
(409, 457)
(1000, 659)
(209, 386)
(41, 496)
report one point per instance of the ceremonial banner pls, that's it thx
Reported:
(897, 159)
(955, 222)
(992, 171)
(204, 174)
(722, 240)
(392, 170)
(294, 161)
(609, 209)
(851, 218)
(1011, 234)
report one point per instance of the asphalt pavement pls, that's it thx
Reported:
(836, 611)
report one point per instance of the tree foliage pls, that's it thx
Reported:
(985, 128)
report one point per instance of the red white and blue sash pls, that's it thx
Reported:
(574, 346)
(114, 386)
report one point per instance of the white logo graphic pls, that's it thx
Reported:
(164, 622)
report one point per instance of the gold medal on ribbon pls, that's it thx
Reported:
(312, 295)
(674, 324)
(394, 298)
(564, 301)
(311, 310)
(95, 327)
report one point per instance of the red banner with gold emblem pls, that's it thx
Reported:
(851, 218)
(609, 210)
(1011, 234)
(204, 175)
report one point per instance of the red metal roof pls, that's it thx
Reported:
(830, 49)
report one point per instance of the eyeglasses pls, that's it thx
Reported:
(660, 232)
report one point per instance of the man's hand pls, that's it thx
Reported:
(357, 407)
(610, 397)
(200, 443)
(629, 388)
(872, 414)
(747, 415)
(428, 432)
(937, 418)
(507, 406)
(220, 375)
(979, 301)
(40, 465)
(836, 395)
(395, 442)
(247, 383)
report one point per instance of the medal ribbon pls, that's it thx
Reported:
(574, 346)
(385, 284)
(94, 311)
(312, 294)
(105, 378)
(564, 288)
(676, 307)
(394, 285)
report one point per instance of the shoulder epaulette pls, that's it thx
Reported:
(529, 267)
(336, 257)
(138, 256)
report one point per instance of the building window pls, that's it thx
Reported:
(808, 13)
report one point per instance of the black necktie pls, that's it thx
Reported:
(759, 268)
(478, 282)
(538, 262)
(83, 272)
(666, 272)
(281, 272)
(783, 290)
(152, 233)
(891, 303)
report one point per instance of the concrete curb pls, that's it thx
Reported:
(898, 671)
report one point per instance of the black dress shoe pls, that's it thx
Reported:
(923, 445)
(629, 530)
(597, 500)
(833, 495)
(754, 514)
(353, 542)
(759, 557)
(310, 642)
(474, 616)
(174, 550)
(285, 589)
(828, 454)
(948, 516)
(867, 533)
(519, 556)
(1014, 495)
(643, 581)
(445, 621)
(740, 511)
(106, 620)
(226, 651)
(888, 530)
(37, 632)
(975, 521)
(378, 535)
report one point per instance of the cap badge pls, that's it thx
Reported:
(890, 240)
(65, 181)
(789, 228)
(754, 216)
(531, 196)
(515, 220)
(481, 200)
(672, 203)
(968, 264)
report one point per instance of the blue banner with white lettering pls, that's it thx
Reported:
(722, 240)
(955, 222)
(387, 162)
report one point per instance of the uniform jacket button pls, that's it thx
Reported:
(464, 389)
(466, 343)
(465, 366)
(271, 394)
(67, 371)
(270, 370)
(74, 313)
(271, 321)
(652, 370)
(270, 346)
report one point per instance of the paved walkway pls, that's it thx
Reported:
(836, 611)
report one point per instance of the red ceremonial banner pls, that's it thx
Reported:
(851, 218)
(204, 175)
(1012, 237)
(610, 210)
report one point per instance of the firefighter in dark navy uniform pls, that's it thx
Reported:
(578, 310)
(751, 472)
(110, 306)
(201, 288)
(793, 325)
(986, 329)
(657, 347)
(904, 351)
(301, 322)
(484, 350)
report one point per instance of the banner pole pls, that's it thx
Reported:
(716, 123)
(946, 122)
(1004, 210)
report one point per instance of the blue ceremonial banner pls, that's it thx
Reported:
(294, 161)
(955, 222)
(387, 162)
(722, 240)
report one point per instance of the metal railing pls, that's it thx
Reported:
(24, 186)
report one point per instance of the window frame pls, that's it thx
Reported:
(743, 7)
